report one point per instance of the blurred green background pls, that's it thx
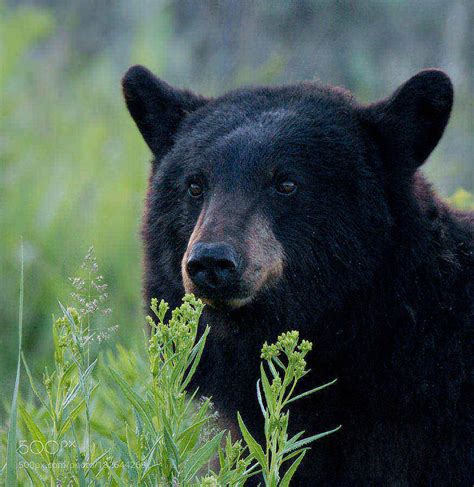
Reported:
(73, 166)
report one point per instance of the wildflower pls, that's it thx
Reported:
(209, 481)
(305, 346)
(106, 333)
(288, 341)
(276, 385)
(47, 382)
(90, 288)
(269, 351)
(233, 451)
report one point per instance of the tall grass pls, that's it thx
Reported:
(11, 463)
(105, 415)
(72, 170)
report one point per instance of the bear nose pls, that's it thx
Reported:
(212, 266)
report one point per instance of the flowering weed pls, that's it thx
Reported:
(286, 363)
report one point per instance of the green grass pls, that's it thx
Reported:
(72, 170)
(11, 463)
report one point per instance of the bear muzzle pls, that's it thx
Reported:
(213, 271)
(214, 267)
(226, 264)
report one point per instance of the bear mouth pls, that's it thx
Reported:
(227, 304)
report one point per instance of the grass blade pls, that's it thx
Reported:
(11, 478)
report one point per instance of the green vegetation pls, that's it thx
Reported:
(72, 170)
(463, 199)
(113, 417)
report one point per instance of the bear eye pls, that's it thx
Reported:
(195, 190)
(286, 187)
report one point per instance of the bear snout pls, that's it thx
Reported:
(214, 267)
(228, 259)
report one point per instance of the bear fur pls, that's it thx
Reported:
(374, 268)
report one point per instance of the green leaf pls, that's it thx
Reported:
(133, 398)
(122, 450)
(81, 474)
(132, 441)
(190, 429)
(269, 396)
(195, 358)
(307, 393)
(72, 366)
(74, 413)
(291, 471)
(279, 363)
(305, 441)
(96, 461)
(172, 449)
(254, 448)
(193, 436)
(32, 382)
(72, 395)
(293, 454)
(190, 402)
(147, 467)
(32, 474)
(200, 457)
(295, 437)
(34, 430)
(119, 481)
(259, 397)
(273, 370)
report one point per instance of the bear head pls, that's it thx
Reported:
(274, 191)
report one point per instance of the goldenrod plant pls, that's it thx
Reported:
(286, 364)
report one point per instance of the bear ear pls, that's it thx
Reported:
(157, 108)
(411, 122)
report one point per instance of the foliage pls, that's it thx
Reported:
(115, 418)
(462, 199)
(286, 362)
(72, 170)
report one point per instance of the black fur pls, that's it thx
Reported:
(379, 273)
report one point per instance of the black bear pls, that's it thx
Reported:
(295, 207)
